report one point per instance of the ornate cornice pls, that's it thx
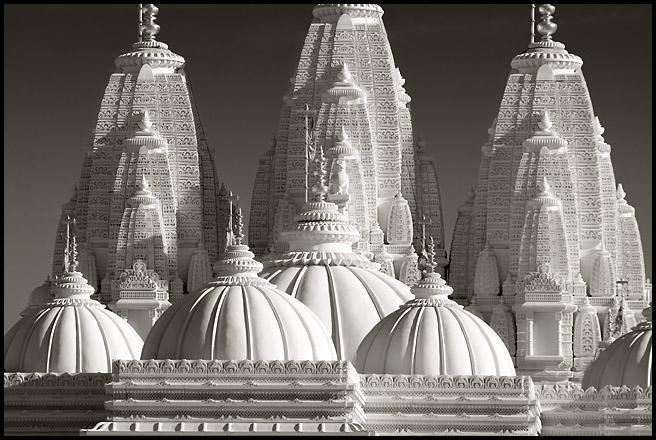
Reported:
(330, 12)
(323, 258)
(154, 53)
(170, 367)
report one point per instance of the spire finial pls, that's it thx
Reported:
(147, 27)
(620, 192)
(342, 135)
(532, 23)
(543, 185)
(144, 121)
(546, 27)
(143, 183)
(545, 121)
(344, 75)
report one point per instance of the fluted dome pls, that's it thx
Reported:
(345, 290)
(433, 335)
(70, 333)
(627, 361)
(238, 315)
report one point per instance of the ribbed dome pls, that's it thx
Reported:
(238, 316)
(70, 333)
(433, 335)
(627, 361)
(346, 291)
(348, 300)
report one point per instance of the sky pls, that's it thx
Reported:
(455, 59)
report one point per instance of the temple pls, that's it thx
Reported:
(346, 99)
(147, 204)
(340, 329)
(547, 236)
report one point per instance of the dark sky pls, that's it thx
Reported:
(455, 58)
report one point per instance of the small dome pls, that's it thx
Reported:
(70, 333)
(347, 292)
(238, 316)
(627, 361)
(433, 335)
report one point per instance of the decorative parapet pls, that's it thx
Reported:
(569, 409)
(414, 404)
(374, 384)
(552, 395)
(233, 396)
(53, 403)
(314, 370)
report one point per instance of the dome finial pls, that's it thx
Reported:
(70, 251)
(320, 188)
(147, 27)
(430, 252)
(239, 227)
(546, 27)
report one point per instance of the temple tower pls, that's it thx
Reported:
(347, 98)
(147, 193)
(547, 216)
